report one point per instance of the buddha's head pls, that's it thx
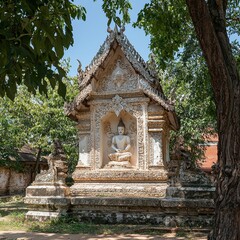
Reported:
(121, 127)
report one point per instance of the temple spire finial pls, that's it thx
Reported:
(116, 28)
(109, 30)
(122, 29)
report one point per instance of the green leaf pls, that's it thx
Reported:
(62, 89)
(59, 47)
(11, 88)
(52, 80)
(27, 40)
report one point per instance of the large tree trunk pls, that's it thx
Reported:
(210, 27)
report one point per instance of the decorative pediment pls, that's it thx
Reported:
(116, 39)
(119, 76)
(117, 69)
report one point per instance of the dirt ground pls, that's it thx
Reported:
(21, 235)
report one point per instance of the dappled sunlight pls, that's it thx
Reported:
(55, 236)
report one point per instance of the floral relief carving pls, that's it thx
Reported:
(119, 76)
(92, 136)
(140, 143)
(132, 132)
(109, 133)
(118, 104)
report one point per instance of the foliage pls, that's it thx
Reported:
(170, 27)
(8, 141)
(184, 74)
(186, 77)
(168, 24)
(111, 10)
(33, 37)
(36, 120)
(186, 82)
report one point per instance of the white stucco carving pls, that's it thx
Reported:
(118, 85)
(83, 150)
(119, 75)
(156, 149)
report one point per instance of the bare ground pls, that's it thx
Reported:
(22, 235)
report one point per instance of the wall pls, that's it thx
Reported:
(210, 153)
(13, 182)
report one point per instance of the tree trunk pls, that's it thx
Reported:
(36, 168)
(209, 22)
(8, 187)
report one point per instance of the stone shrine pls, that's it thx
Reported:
(118, 87)
(124, 172)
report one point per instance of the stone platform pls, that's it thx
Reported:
(124, 203)
(129, 210)
(126, 175)
(46, 200)
(119, 189)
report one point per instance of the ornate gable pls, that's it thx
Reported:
(117, 68)
(119, 76)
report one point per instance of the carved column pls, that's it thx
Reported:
(93, 135)
(145, 134)
(158, 143)
(84, 129)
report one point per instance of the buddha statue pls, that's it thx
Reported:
(121, 146)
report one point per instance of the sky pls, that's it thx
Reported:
(90, 34)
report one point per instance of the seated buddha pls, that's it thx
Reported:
(121, 145)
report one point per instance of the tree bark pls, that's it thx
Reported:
(209, 23)
(36, 168)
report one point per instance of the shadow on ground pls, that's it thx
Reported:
(54, 236)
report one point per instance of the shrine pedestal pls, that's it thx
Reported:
(116, 175)
(115, 183)
(46, 201)
(119, 189)
(140, 210)
(141, 197)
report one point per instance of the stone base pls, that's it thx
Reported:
(47, 190)
(198, 192)
(42, 216)
(118, 165)
(132, 210)
(119, 189)
(46, 200)
(42, 208)
(126, 175)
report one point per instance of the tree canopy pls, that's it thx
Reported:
(36, 120)
(186, 82)
(33, 37)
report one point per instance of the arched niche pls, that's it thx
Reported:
(109, 125)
